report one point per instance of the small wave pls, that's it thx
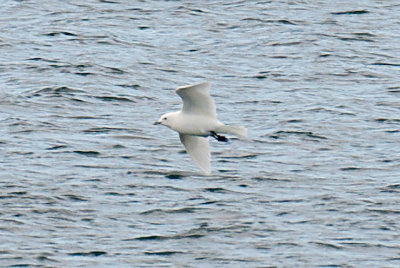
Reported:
(169, 211)
(114, 98)
(60, 33)
(282, 21)
(56, 147)
(280, 133)
(56, 91)
(392, 188)
(104, 130)
(351, 12)
(94, 253)
(74, 197)
(327, 245)
(163, 253)
(87, 153)
(350, 169)
(386, 64)
(161, 237)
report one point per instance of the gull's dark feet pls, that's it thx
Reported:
(219, 137)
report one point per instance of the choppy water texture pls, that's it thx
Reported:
(86, 180)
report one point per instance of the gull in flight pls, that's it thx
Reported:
(196, 121)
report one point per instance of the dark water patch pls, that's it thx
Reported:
(327, 245)
(282, 21)
(351, 12)
(149, 238)
(392, 188)
(294, 121)
(261, 76)
(241, 156)
(259, 178)
(94, 253)
(94, 167)
(18, 193)
(386, 64)
(350, 169)
(173, 176)
(288, 201)
(190, 234)
(384, 211)
(333, 266)
(216, 190)
(278, 57)
(168, 70)
(56, 91)
(120, 194)
(56, 147)
(60, 33)
(169, 211)
(209, 203)
(368, 245)
(388, 120)
(109, 2)
(386, 160)
(44, 258)
(87, 153)
(74, 197)
(132, 86)
(84, 117)
(295, 43)
(392, 131)
(114, 99)
(260, 102)
(163, 253)
(355, 38)
(113, 70)
(42, 59)
(55, 211)
(84, 73)
(118, 146)
(364, 34)
(70, 68)
(324, 55)
(104, 130)
(282, 133)
(393, 89)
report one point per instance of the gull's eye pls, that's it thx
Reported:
(164, 118)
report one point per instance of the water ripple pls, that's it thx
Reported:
(87, 180)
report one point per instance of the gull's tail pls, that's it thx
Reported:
(239, 131)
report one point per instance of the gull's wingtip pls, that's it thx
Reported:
(206, 170)
(205, 84)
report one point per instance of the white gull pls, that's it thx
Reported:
(196, 121)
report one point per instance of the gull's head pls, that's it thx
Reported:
(166, 120)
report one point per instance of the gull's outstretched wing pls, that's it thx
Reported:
(197, 99)
(199, 151)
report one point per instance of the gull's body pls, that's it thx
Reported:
(196, 121)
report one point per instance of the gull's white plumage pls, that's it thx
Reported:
(198, 149)
(197, 99)
(196, 121)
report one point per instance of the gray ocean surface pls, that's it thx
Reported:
(86, 180)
